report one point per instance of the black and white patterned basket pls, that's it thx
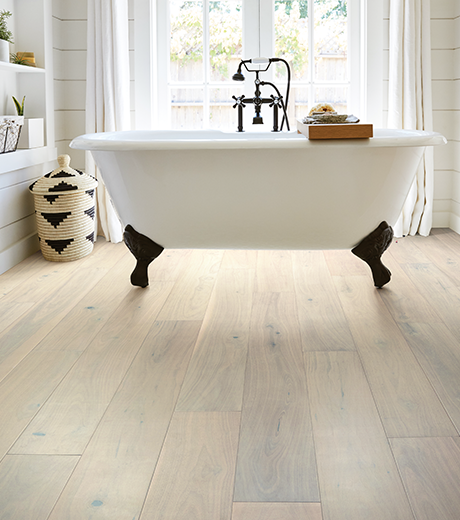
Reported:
(64, 208)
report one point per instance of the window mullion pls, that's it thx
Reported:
(206, 63)
(311, 51)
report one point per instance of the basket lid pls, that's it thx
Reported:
(63, 179)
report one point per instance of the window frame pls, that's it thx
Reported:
(365, 53)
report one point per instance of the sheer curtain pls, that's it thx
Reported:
(410, 104)
(107, 92)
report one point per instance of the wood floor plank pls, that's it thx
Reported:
(25, 270)
(444, 257)
(357, 474)
(31, 484)
(190, 296)
(438, 352)
(276, 461)
(439, 290)
(274, 272)
(430, 469)
(10, 312)
(323, 324)
(78, 328)
(169, 265)
(113, 476)
(405, 398)
(239, 259)
(403, 300)
(69, 418)
(276, 511)
(24, 391)
(215, 377)
(406, 250)
(53, 275)
(342, 262)
(196, 469)
(26, 332)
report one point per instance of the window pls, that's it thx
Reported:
(198, 45)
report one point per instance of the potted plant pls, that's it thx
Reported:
(6, 36)
(32, 130)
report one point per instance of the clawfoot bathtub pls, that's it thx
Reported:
(212, 189)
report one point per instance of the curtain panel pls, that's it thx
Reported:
(107, 92)
(410, 102)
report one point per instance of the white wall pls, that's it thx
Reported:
(69, 17)
(69, 44)
(446, 105)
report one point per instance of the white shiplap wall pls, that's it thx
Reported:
(445, 110)
(69, 43)
(70, 73)
(70, 18)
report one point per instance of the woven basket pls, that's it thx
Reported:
(64, 209)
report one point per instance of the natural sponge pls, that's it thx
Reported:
(322, 108)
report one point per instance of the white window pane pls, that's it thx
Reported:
(291, 37)
(331, 45)
(187, 108)
(222, 115)
(334, 95)
(186, 46)
(225, 38)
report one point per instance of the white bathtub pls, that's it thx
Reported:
(212, 189)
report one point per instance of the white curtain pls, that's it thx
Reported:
(410, 103)
(107, 91)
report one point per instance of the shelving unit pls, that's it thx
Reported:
(32, 28)
(32, 31)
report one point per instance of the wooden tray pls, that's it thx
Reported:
(336, 131)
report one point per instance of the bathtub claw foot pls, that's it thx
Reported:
(144, 250)
(371, 248)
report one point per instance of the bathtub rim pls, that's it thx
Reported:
(138, 140)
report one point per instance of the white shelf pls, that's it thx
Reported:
(12, 161)
(23, 69)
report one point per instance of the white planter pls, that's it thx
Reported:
(4, 51)
(32, 135)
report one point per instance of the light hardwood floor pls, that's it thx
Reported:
(240, 385)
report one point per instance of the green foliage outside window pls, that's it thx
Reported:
(225, 42)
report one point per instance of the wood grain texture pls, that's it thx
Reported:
(405, 399)
(79, 327)
(195, 473)
(274, 272)
(276, 461)
(275, 511)
(26, 388)
(438, 353)
(190, 296)
(69, 418)
(430, 469)
(31, 484)
(439, 290)
(342, 262)
(113, 476)
(323, 324)
(403, 300)
(357, 473)
(215, 377)
(22, 337)
(239, 259)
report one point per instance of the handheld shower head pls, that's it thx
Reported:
(238, 76)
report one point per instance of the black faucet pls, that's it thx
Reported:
(274, 101)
